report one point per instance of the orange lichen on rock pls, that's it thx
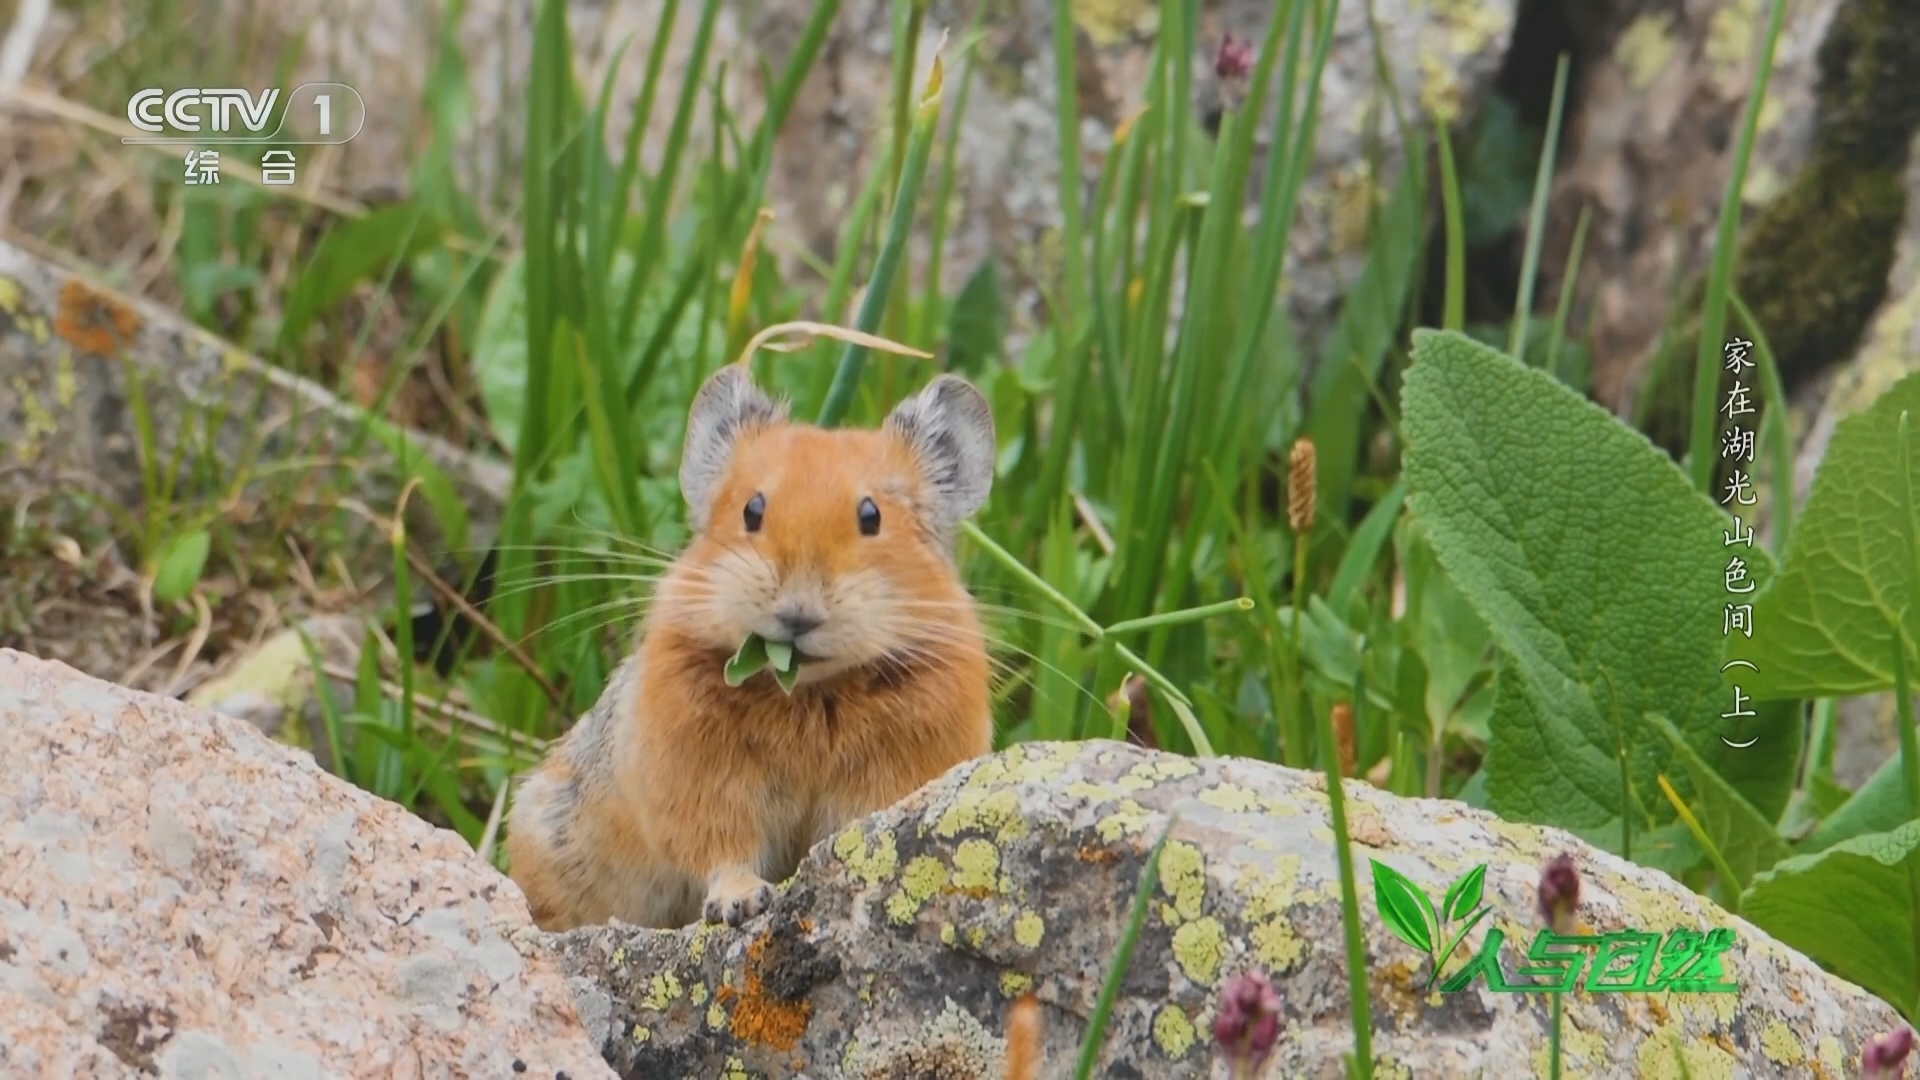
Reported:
(93, 322)
(760, 1016)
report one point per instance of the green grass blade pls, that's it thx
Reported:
(1454, 305)
(1568, 284)
(1122, 956)
(1359, 1004)
(1774, 428)
(1713, 308)
(1537, 217)
(846, 376)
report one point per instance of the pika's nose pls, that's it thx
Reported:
(797, 621)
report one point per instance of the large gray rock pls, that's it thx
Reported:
(182, 896)
(898, 946)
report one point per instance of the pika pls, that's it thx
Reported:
(677, 796)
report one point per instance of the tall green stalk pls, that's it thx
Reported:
(853, 359)
(1713, 309)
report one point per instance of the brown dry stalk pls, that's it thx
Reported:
(1023, 1038)
(1300, 480)
(1343, 735)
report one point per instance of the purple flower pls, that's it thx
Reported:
(1232, 63)
(1884, 1055)
(1559, 892)
(1248, 1020)
(1234, 59)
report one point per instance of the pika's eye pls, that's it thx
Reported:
(869, 518)
(756, 507)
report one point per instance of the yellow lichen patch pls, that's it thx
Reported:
(641, 1033)
(946, 934)
(1780, 1044)
(1730, 40)
(1015, 983)
(39, 329)
(1172, 1031)
(698, 995)
(65, 386)
(1199, 947)
(1183, 876)
(1705, 1060)
(662, 991)
(1277, 946)
(1021, 766)
(1127, 819)
(1093, 793)
(923, 876)
(736, 1070)
(10, 296)
(1467, 26)
(1387, 1068)
(1644, 48)
(233, 361)
(1232, 798)
(697, 942)
(620, 956)
(871, 866)
(1108, 22)
(976, 937)
(976, 865)
(1028, 929)
(1320, 833)
(716, 1017)
(1830, 1056)
(984, 811)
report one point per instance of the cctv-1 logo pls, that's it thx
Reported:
(156, 110)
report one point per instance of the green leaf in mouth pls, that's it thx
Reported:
(756, 653)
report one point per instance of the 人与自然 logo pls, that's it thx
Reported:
(1683, 961)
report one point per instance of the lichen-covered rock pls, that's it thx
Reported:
(183, 897)
(897, 948)
(76, 358)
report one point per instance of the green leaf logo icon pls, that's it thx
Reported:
(1411, 916)
(1403, 907)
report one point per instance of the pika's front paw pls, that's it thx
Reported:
(735, 898)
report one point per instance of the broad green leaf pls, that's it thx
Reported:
(1850, 908)
(1879, 804)
(1600, 573)
(1449, 635)
(1825, 628)
(1464, 895)
(181, 560)
(1747, 840)
(1403, 907)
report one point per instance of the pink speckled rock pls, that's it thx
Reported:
(182, 896)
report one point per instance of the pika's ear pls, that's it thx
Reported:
(950, 430)
(727, 404)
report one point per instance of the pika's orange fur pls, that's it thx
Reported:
(678, 796)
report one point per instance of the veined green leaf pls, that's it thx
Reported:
(1600, 573)
(1746, 839)
(1825, 628)
(1850, 908)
